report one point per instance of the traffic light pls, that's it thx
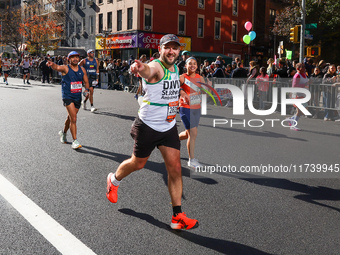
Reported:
(312, 51)
(315, 51)
(295, 34)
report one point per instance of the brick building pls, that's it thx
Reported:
(134, 27)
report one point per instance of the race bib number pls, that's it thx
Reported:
(172, 111)
(76, 86)
(195, 99)
(94, 83)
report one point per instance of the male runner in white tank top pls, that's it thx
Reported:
(26, 64)
(155, 126)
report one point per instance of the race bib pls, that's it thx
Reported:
(172, 111)
(195, 99)
(76, 86)
(94, 83)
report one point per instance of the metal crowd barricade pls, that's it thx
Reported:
(323, 96)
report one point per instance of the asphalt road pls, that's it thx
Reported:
(239, 213)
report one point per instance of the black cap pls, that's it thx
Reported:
(169, 38)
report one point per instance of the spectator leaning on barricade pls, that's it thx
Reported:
(227, 71)
(282, 70)
(239, 72)
(316, 80)
(218, 71)
(292, 69)
(270, 67)
(262, 82)
(329, 91)
(252, 74)
(204, 70)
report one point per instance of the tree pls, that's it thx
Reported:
(10, 28)
(326, 14)
(41, 33)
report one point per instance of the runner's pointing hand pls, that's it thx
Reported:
(137, 67)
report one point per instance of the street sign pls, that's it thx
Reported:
(309, 37)
(312, 26)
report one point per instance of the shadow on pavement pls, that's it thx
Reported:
(310, 193)
(150, 165)
(11, 87)
(219, 245)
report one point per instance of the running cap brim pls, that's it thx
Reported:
(169, 38)
(73, 53)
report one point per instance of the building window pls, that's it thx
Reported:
(201, 4)
(235, 7)
(147, 19)
(181, 24)
(109, 20)
(218, 6)
(234, 31)
(182, 2)
(83, 3)
(217, 29)
(109, 1)
(100, 1)
(119, 20)
(200, 27)
(129, 18)
(100, 23)
(91, 25)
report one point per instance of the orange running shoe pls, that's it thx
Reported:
(181, 221)
(111, 192)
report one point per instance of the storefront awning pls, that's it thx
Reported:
(210, 56)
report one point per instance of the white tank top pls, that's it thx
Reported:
(26, 64)
(160, 103)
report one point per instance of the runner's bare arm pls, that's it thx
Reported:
(147, 71)
(82, 62)
(85, 79)
(182, 93)
(63, 69)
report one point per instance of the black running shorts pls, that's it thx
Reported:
(67, 102)
(146, 138)
(25, 71)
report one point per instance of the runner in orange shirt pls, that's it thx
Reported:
(190, 112)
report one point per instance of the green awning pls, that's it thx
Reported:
(210, 56)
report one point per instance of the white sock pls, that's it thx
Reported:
(114, 181)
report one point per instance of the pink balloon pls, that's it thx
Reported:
(248, 25)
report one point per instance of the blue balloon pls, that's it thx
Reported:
(252, 35)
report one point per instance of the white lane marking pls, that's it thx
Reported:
(56, 234)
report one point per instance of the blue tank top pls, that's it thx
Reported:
(91, 68)
(71, 84)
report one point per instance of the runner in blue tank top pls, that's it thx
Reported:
(91, 66)
(73, 77)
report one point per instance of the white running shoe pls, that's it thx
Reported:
(194, 163)
(62, 136)
(93, 109)
(83, 103)
(76, 145)
(295, 128)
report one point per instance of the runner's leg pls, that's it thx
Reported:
(130, 165)
(72, 116)
(173, 166)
